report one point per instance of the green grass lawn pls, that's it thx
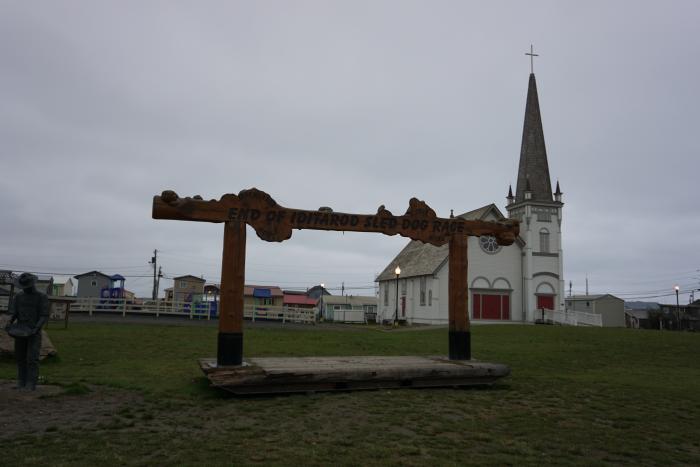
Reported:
(576, 396)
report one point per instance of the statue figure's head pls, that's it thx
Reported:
(27, 282)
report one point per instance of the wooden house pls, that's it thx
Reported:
(187, 287)
(262, 296)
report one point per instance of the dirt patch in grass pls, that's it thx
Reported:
(54, 408)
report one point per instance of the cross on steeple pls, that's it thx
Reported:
(532, 56)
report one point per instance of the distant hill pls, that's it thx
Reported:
(642, 305)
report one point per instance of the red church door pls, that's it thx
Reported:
(490, 306)
(545, 301)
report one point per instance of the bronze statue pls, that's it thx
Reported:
(29, 311)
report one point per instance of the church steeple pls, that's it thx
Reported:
(558, 193)
(533, 172)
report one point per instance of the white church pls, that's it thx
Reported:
(511, 283)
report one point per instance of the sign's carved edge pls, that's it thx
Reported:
(275, 223)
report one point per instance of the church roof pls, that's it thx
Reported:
(481, 212)
(533, 171)
(423, 259)
(416, 259)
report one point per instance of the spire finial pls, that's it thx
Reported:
(532, 62)
(558, 193)
(452, 214)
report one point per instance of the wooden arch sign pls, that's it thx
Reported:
(275, 223)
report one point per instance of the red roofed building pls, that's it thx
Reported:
(299, 300)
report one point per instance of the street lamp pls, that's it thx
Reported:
(678, 308)
(397, 271)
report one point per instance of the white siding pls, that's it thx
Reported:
(535, 264)
(515, 270)
(500, 271)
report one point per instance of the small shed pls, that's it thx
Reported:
(611, 308)
(44, 283)
(637, 319)
(350, 308)
(62, 286)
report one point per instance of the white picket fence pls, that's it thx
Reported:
(93, 305)
(198, 310)
(574, 318)
(202, 310)
(285, 314)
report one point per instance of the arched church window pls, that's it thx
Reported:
(544, 241)
(489, 244)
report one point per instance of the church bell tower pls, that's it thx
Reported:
(540, 212)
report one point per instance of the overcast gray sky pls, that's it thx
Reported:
(351, 105)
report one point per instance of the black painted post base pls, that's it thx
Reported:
(460, 345)
(230, 349)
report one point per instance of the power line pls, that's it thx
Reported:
(651, 296)
(250, 265)
(73, 274)
(23, 267)
(658, 291)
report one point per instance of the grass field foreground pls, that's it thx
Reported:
(576, 396)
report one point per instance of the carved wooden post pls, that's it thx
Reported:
(275, 223)
(230, 343)
(458, 312)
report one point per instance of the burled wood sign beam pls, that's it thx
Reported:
(274, 223)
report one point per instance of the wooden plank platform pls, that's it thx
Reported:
(284, 375)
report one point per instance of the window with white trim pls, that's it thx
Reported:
(423, 286)
(386, 294)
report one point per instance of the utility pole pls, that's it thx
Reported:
(570, 286)
(586, 285)
(154, 262)
(160, 274)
